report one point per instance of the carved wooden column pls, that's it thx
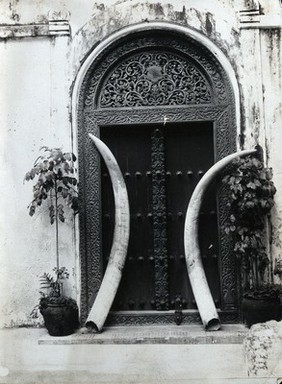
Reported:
(159, 221)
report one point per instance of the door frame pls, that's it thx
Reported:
(225, 118)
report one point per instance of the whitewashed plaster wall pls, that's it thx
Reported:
(33, 113)
(40, 60)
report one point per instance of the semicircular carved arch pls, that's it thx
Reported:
(140, 79)
(134, 72)
(155, 78)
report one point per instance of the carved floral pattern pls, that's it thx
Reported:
(155, 78)
(161, 318)
(159, 221)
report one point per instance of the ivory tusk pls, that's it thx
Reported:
(194, 264)
(106, 294)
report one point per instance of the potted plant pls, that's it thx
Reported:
(56, 184)
(251, 192)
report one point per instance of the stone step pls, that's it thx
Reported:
(183, 334)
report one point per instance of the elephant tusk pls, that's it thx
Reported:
(194, 264)
(106, 294)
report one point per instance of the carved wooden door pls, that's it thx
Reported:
(166, 108)
(161, 165)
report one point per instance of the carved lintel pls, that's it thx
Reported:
(137, 318)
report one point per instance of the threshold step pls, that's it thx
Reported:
(183, 334)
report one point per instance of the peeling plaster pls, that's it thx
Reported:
(106, 20)
(262, 348)
(13, 8)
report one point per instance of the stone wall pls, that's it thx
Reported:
(42, 47)
(263, 351)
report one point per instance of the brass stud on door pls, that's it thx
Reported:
(127, 175)
(184, 303)
(200, 173)
(163, 303)
(179, 173)
(138, 175)
(190, 173)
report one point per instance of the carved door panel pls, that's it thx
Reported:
(189, 154)
(131, 147)
(161, 166)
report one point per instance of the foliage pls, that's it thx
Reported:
(55, 171)
(51, 285)
(51, 289)
(269, 293)
(251, 193)
(56, 184)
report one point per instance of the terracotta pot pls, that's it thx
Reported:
(61, 319)
(258, 311)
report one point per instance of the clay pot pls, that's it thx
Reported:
(60, 316)
(259, 310)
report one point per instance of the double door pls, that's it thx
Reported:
(161, 165)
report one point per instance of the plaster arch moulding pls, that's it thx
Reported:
(125, 32)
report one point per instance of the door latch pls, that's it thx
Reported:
(178, 310)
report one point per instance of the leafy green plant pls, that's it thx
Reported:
(50, 286)
(268, 292)
(51, 289)
(56, 184)
(251, 193)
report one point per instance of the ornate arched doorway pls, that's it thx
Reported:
(165, 106)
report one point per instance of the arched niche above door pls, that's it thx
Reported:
(132, 73)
